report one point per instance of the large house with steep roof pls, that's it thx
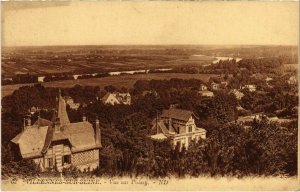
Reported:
(178, 125)
(59, 144)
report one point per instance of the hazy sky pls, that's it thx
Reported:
(98, 23)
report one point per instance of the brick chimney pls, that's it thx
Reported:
(97, 132)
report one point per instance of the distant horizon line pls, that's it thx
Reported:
(19, 46)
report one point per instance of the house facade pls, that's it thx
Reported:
(178, 125)
(238, 95)
(59, 144)
(202, 87)
(124, 98)
(206, 93)
(69, 101)
(215, 86)
(251, 88)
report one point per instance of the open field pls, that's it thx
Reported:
(90, 59)
(118, 81)
(77, 59)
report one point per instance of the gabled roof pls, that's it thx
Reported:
(162, 128)
(31, 141)
(107, 96)
(81, 136)
(179, 114)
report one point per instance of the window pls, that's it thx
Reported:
(49, 163)
(178, 143)
(190, 139)
(190, 128)
(67, 159)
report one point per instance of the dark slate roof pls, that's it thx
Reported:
(162, 128)
(178, 114)
(81, 136)
(42, 122)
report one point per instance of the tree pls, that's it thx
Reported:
(110, 88)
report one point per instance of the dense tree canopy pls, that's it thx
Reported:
(230, 149)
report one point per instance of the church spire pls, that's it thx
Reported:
(62, 112)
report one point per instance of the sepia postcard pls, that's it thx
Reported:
(149, 95)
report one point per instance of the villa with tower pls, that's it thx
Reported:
(58, 143)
